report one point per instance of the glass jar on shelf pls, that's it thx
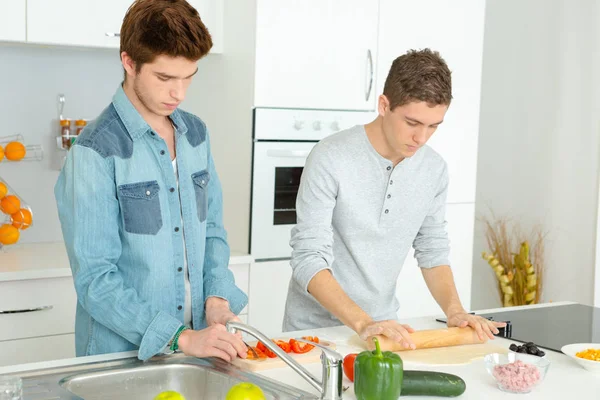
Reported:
(65, 133)
(79, 125)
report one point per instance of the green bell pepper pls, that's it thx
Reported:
(378, 375)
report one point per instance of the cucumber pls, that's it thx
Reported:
(429, 383)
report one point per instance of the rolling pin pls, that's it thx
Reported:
(428, 339)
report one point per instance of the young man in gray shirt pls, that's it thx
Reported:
(368, 194)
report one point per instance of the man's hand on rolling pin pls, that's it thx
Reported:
(482, 326)
(390, 328)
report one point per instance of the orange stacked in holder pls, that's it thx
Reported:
(20, 217)
(14, 151)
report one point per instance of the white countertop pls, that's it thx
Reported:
(565, 379)
(34, 261)
(50, 260)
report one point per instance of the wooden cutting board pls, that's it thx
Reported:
(453, 355)
(312, 356)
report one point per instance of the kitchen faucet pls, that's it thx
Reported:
(330, 385)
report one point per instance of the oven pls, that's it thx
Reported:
(283, 139)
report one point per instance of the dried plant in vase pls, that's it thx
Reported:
(519, 267)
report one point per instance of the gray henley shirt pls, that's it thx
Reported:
(358, 215)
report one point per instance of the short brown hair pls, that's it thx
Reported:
(418, 76)
(163, 27)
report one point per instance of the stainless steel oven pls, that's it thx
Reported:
(283, 139)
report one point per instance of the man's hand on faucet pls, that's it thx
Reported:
(213, 341)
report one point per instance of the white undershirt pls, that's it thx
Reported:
(187, 309)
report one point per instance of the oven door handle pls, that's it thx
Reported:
(288, 153)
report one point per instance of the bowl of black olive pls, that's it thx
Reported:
(527, 348)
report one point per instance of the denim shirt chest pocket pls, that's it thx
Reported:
(201, 180)
(140, 207)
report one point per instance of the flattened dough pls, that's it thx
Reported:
(452, 355)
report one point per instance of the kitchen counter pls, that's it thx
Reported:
(565, 379)
(50, 260)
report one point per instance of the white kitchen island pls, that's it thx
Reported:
(565, 378)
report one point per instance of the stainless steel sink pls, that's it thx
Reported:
(131, 379)
(192, 381)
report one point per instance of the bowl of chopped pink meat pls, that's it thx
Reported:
(516, 372)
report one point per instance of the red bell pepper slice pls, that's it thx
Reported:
(300, 347)
(285, 346)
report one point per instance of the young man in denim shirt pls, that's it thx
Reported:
(141, 206)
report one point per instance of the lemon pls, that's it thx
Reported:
(245, 391)
(169, 395)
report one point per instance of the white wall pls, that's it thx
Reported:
(539, 137)
(31, 77)
(222, 95)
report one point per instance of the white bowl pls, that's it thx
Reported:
(572, 349)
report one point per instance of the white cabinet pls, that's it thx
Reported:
(41, 320)
(316, 54)
(12, 20)
(412, 292)
(96, 23)
(455, 29)
(76, 22)
(269, 282)
(37, 307)
(48, 348)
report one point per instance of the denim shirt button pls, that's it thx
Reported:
(147, 193)
(176, 229)
(172, 190)
(179, 269)
(162, 152)
(179, 308)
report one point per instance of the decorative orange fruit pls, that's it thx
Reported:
(15, 151)
(10, 204)
(9, 234)
(1, 153)
(21, 219)
(3, 190)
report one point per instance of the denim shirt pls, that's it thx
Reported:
(121, 218)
